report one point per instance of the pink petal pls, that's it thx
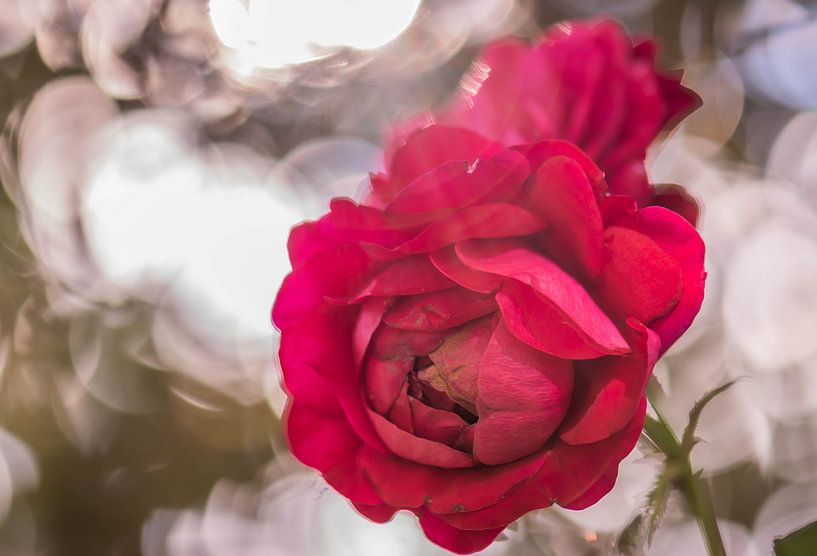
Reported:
(644, 117)
(563, 195)
(334, 273)
(679, 240)
(678, 200)
(458, 184)
(631, 179)
(607, 481)
(320, 436)
(440, 310)
(404, 484)
(385, 379)
(481, 221)
(392, 343)
(538, 153)
(436, 424)
(456, 540)
(447, 262)
(523, 394)
(601, 487)
(322, 342)
(305, 242)
(407, 276)
(432, 146)
(566, 473)
(457, 361)
(400, 413)
(538, 323)
(609, 390)
(418, 450)
(491, 99)
(371, 313)
(378, 514)
(514, 259)
(639, 279)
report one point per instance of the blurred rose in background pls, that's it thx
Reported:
(155, 154)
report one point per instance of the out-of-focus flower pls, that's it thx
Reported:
(772, 41)
(473, 341)
(613, 104)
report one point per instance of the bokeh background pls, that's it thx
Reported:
(154, 155)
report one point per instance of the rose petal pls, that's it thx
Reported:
(608, 391)
(447, 262)
(378, 514)
(678, 200)
(539, 324)
(538, 153)
(607, 481)
(404, 484)
(462, 184)
(563, 195)
(631, 179)
(436, 424)
(491, 100)
(441, 310)
(456, 540)
(334, 273)
(679, 240)
(400, 413)
(432, 146)
(320, 436)
(418, 450)
(385, 379)
(567, 472)
(523, 394)
(305, 242)
(371, 313)
(514, 259)
(322, 342)
(407, 276)
(481, 221)
(639, 278)
(457, 361)
(393, 343)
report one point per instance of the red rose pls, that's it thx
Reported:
(585, 83)
(474, 341)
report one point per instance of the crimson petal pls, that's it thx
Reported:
(481, 221)
(416, 449)
(514, 259)
(523, 394)
(456, 540)
(563, 195)
(441, 310)
(680, 240)
(447, 262)
(457, 184)
(609, 390)
(639, 279)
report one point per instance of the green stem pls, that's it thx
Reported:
(689, 483)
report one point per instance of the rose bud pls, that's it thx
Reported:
(473, 341)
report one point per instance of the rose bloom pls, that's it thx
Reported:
(587, 84)
(474, 341)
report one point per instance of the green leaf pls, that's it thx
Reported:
(802, 542)
(688, 440)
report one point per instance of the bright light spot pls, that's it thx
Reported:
(273, 34)
(158, 210)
